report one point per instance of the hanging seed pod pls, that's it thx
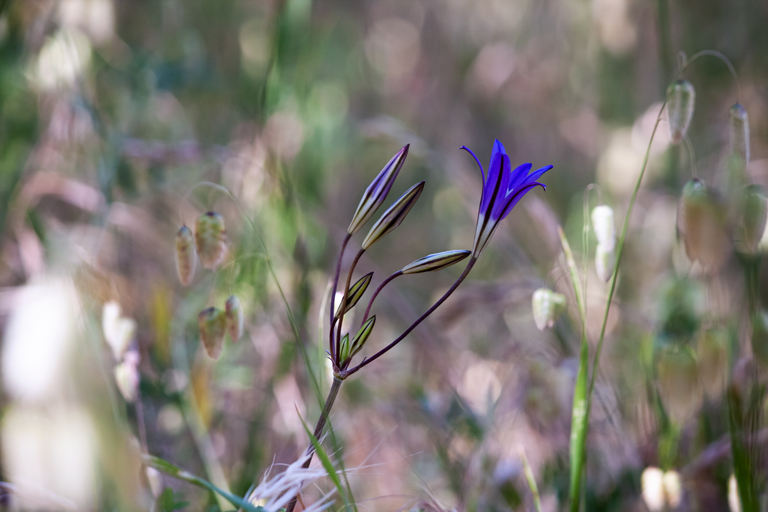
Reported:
(356, 291)
(235, 317)
(680, 102)
(377, 191)
(394, 215)
(673, 488)
(185, 255)
(210, 237)
(127, 376)
(753, 219)
(703, 226)
(760, 337)
(547, 307)
(605, 259)
(602, 223)
(739, 130)
(734, 501)
(212, 323)
(678, 383)
(712, 350)
(435, 261)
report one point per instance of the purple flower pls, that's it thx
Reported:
(501, 191)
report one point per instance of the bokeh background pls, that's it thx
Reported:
(112, 112)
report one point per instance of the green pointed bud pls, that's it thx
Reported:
(605, 259)
(739, 130)
(356, 291)
(362, 336)
(712, 351)
(602, 223)
(760, 337)
(394, 215)
(547, 307)
(212, 323)
(210, 237)
(703, 226)
(435, 261)
(233, 311)
(344, 349)
(680, 102)
(677, 378)
(185, 255)
(753, 219)
(377, 191)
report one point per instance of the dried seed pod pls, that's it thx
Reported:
(712, 350)
(605, 259)
(703, 226)
(680, 102)
(547, 307)
(760, 337)
(377, 191)
(212, 323)
(356, 291)
(235, 317)
(435, 261)
(739, 129)
(677, 377)
(394, 215)
(210, 237)
(185, 255)
(602, 223)
(753, 219)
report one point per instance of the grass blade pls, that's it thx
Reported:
(531, 481)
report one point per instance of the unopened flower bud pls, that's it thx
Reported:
(680, 102)
(435, 261)
(356, 291)
(344, 348)
(678, 383)
(212, 323)
(753, 219)
(210, 237)
(377, 191)
(233, 311)
(703, 226)
(394, 215)
(185, 255)
(602, 223)
(547, 307)
(739, 130)
(605, 259)
(712, 350)
(362, 336)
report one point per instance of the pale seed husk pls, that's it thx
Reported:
(235, 317)
(681, 98)
(703, 226)
(547, 307)
(677, 378)
(186, 257)
(210, 237)
(212, 323)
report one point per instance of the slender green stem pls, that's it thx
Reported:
(332, 394)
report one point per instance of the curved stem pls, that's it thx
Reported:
(331, 345)
(369, 360)
(376, 293)
(724, 59)
(343, 300)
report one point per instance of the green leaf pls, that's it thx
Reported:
(324, 459)
(176, 472)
